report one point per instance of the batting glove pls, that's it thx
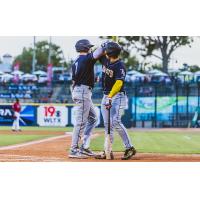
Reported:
(108, 103)
(103, 45)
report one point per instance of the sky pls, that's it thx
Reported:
(14, 45)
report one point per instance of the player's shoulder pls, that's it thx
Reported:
(119, 64)
(85, 58)
(90, 57)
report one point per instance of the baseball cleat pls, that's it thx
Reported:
(87, 152)
(103, 156)
(77, 154)
(129, 153)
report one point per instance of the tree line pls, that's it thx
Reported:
(161, 47)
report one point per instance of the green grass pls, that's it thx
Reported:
(185, 142)
(152, 141)
(12, 139)
(6, 140)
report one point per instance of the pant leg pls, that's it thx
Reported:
(104, 113)
(14, 125)
(118, 106)
(17, 121)
(91, 123)
(82, 103)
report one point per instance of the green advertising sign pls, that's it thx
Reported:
(165, 106)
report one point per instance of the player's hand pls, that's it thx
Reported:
(103, 45)
(108, 103)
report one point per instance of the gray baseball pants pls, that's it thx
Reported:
(118, 105)
(85, 116)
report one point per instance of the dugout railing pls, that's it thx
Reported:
(163, 105)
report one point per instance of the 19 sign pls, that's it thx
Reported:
(49, 111)
(52, 115)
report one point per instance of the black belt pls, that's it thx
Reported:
(108, 92)
(89, 87)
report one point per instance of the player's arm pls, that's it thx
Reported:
(74, 72)
(120, 78)
(98, 53)
(116, 88)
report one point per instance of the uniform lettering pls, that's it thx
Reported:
(109, 72)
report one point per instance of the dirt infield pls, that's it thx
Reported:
(54, 149)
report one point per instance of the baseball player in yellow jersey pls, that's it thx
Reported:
(114, 98)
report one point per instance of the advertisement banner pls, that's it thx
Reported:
(52, 116)
(27, 115)
(166, 106)
(22, 87)
(13, 96)
(6, 115)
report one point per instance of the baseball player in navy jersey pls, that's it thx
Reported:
(83, 83)
(114, 98)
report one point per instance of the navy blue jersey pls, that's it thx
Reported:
(83, 70)
(111, 73)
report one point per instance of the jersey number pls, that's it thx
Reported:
(123, 72)
(76, 67)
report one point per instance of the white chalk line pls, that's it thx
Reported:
(15, 157)
(34, 142)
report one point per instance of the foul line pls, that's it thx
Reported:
(68, 134)
(14, 158)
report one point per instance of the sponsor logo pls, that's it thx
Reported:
(5, 112)
(52, 116)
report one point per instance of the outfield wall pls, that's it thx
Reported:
(141, 112)
(51, 115)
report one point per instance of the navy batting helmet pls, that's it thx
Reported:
(112, 49)
(83, 45)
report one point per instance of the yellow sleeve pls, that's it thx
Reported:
(116, 88)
